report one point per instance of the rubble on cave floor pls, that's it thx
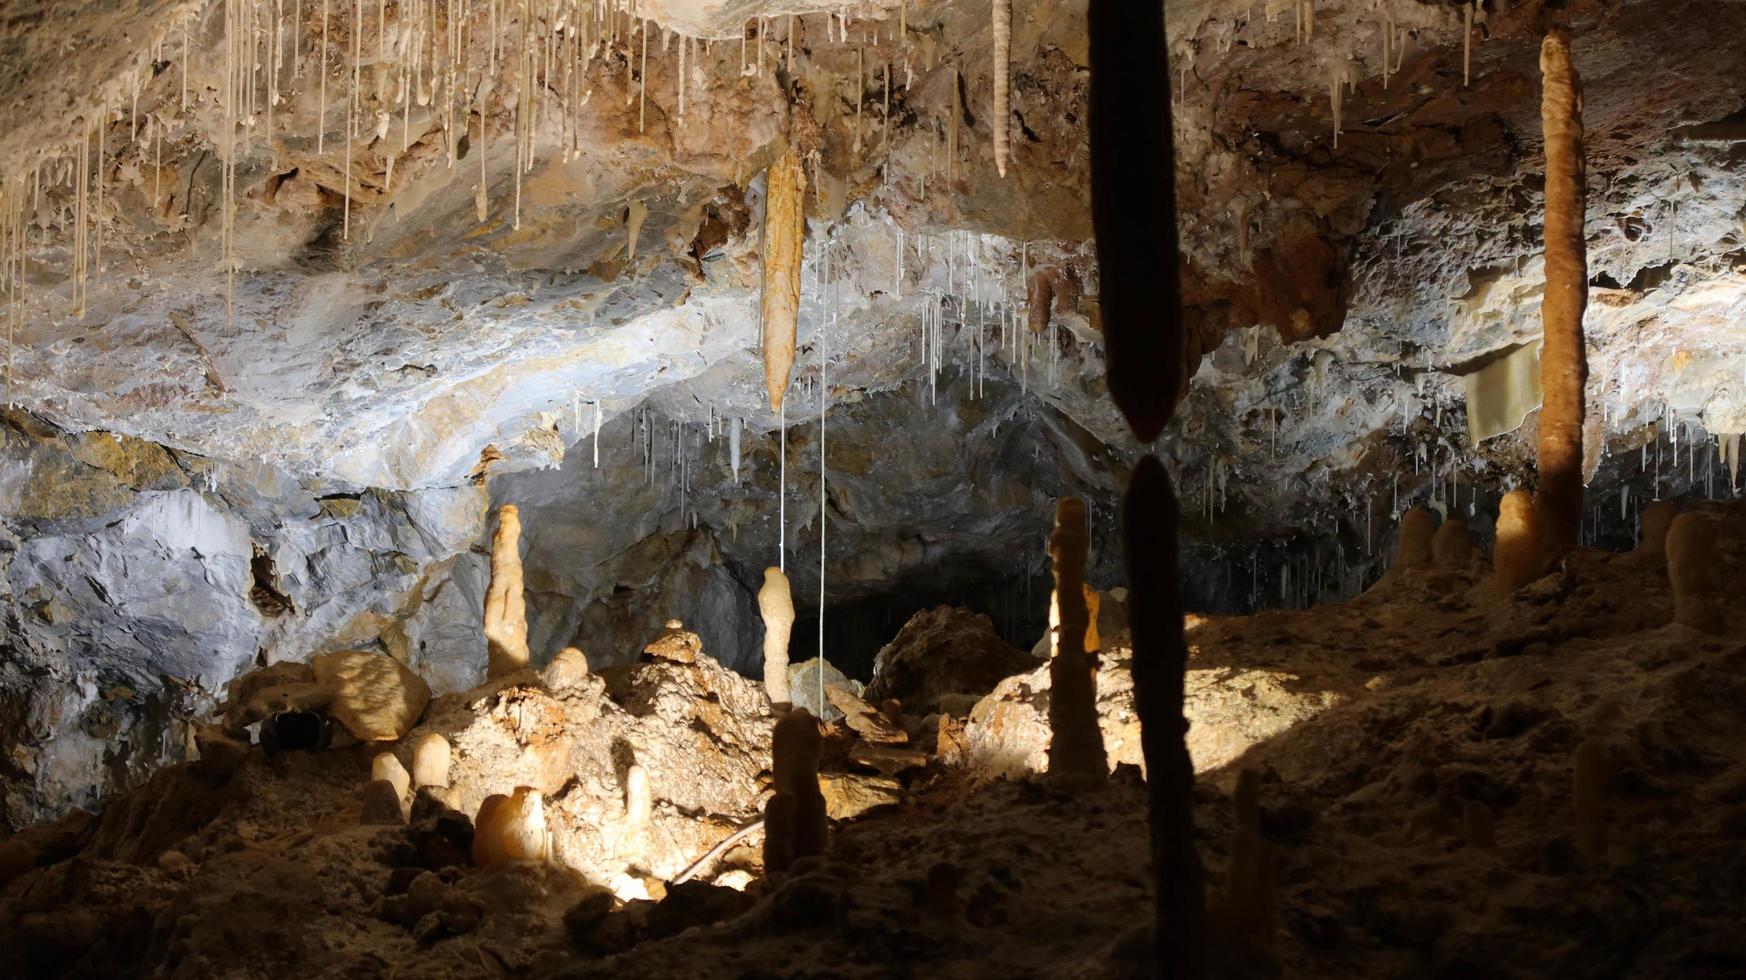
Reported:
(1416, 749)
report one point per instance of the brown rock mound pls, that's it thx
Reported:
(943, 651)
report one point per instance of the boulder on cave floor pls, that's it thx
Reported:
(940, 652)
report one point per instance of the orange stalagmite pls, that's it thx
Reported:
(1563, 360)
(784, 232)
(505, 605)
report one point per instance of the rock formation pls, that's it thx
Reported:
(1417, 529)
(511, 828)
(784, 238)
(1076, 746)
(1563, 357)
(505, 603)
(795, 824)
(386, 767)
(430, 760)
(1690, 546)
(375, 697)
(1452, 545)
(568, 668)
(1656, 518)
(777, 607)
(675, 644)
(941, 652)
(1516, 557)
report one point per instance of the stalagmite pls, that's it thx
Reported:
(511, 828)
(1002, 66)
(784, 233)
(1654, 523)
(1075, 743)
(1516, 557)
(1413, 550)
(1133, 211)
(1160, 658)
(1691, 559)
(430, 760)
(795, 825)
(505, 604)
(385, 766)
(1563, 361)
(1452, 546)
(637, 816)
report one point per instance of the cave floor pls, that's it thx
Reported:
(1455, 715)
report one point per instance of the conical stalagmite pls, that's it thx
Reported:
(505, 604)
(1133, 211)
(1160, 659)
(1655, 520)
(776, 604)
(1563, 360)
(784, 235)
(795, 823)
(1690, 547)
(1075, 743)
(1417, 528)
(1452, 545)
(1516, 557)
(430, 760)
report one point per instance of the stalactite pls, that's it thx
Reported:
(1002, 65)
(505, 603)
(957, 113)
(1563, 361)
(1133, 204)
(784, 232)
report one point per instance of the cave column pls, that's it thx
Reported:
(1563, 360)
(1133, 213)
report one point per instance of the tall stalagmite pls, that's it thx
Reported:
(1563, 361)
(505, 605)
(1075, 743)
(1133, 211)
(784, 233)
(776, 603)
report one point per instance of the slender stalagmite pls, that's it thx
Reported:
(784, 231)
(505, 605)
(1075, 743)
(1002, 60)
(1133, 207)
(1563, 361)
(1133, 211)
